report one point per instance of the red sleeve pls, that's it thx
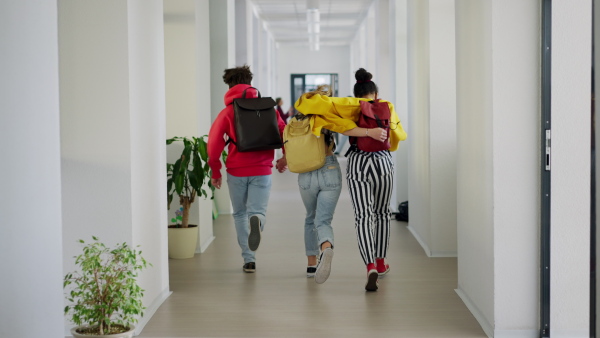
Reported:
(216, 144)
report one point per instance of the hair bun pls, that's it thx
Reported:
(362, 75)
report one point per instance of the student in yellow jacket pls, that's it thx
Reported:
(369, 174)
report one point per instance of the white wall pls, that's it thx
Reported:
(516, 60)
(148, 149)
(570, 173)
(188, 93)
(95, 123)
(442, 127)
(419, 183)
(498, 187)
(222, 49)
(299, 60)
(474, 111)
(203, 111)
(432, 128)
(30, 190)
(399, 41)
(220, 15)
(112, 132)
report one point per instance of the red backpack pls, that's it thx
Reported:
(374, 114)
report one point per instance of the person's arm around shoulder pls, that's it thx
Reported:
(378, 134)
(397, 132)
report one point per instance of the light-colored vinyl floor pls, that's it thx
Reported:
(213, 297)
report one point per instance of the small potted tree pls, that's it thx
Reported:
(188, 178)
(104, 296)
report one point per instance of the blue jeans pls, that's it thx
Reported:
(320, 190)
(249, 197)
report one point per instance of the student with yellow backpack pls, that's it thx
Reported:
(320, 185)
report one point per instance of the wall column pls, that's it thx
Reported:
(498, 179)
(432, 126)
(30, 190)
(221, 17)
(570, 169)
(113, 132)
(188, 93)
(399, 64)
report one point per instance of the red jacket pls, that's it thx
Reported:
(253, 163)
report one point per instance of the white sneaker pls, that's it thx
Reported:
(324, 267)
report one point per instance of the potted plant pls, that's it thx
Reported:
(104, 296)
(187, 178)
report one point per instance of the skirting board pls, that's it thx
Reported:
(569, 333)
(206, 244)
(517, 334)
(150, 310)
(425, 247)
(485, 325)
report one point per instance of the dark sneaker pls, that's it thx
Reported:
(324, 267)
(254, 237)
(372, 283)
(310, 271)
(250, 267)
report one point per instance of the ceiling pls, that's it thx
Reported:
(286, 20)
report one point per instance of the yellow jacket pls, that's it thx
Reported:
(340, 114)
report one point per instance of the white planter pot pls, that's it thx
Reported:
(183, 242)
(127, 334)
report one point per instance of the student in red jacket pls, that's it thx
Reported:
(248, 173)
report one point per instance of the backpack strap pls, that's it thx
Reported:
(230, 140)
(244, 92)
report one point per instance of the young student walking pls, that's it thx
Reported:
(369, 174)
(248, 173)
(320, 191)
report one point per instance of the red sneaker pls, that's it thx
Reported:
(382, 268)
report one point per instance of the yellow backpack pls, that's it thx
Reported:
(304, 151)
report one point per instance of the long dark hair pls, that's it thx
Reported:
(364, 85)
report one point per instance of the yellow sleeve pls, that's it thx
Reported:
(397, 132)
(337, 114)
(340, 114)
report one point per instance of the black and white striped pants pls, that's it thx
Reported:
(370, 177)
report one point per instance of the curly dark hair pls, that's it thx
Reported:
(364, 86)
(237, 75)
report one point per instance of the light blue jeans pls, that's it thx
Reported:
(249, 197)
(320, 190)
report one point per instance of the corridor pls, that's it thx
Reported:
(212, 297)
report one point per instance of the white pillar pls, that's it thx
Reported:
(148, 128)
(30, 192)
(399, 43)
(222, 48)
(570, 168)
(498, 72)
(244, 11)
(188, 88)
(113, 132)
(221, 16)
(432, 126)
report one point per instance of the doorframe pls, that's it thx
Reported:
(546, 55)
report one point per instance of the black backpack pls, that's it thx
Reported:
(402, 214)
(256, 126)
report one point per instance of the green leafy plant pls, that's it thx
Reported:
(189, 176)
(104, 294)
